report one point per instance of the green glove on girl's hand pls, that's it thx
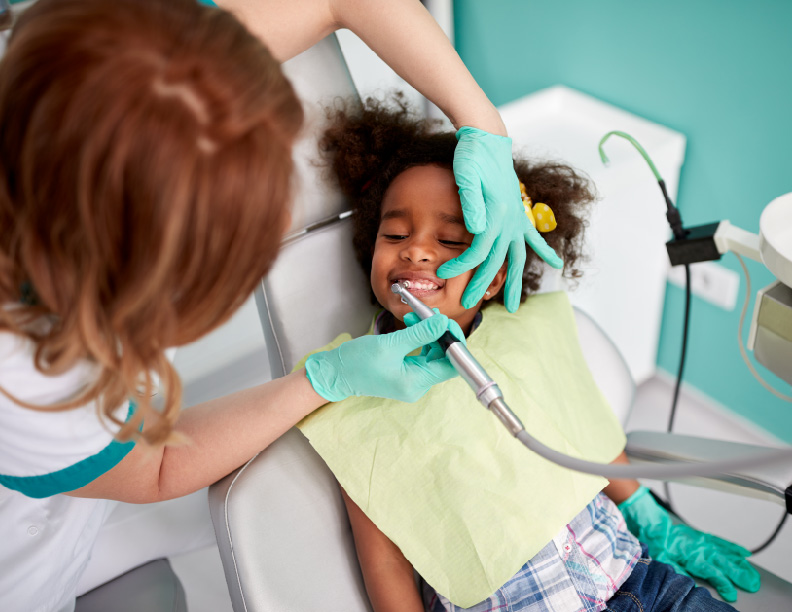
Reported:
(690, 551)
(491, 204)
(378, 365)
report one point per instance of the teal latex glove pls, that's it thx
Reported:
(491, 204)
(433, 350)
(378, 366)
(690, 551)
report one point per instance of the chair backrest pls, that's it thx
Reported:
(607, 365)
(331, 297)
(281, 527)
(280, 522)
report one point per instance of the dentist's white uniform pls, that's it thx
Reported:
(81, 542)
(52, 532)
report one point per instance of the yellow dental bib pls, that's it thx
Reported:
(466, 502)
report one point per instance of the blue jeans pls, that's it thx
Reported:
(655, 587)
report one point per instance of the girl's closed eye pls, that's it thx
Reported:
(453, 243)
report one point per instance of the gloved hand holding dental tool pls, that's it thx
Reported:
(378, 366)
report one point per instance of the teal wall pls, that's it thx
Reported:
(720, 72)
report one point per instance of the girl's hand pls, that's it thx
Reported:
(379, 366)
(692, 552)
(493, 211)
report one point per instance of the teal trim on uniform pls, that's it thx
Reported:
(74, 476)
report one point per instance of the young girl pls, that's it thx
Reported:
(429, 475)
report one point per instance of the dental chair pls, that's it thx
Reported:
(153, 586)
(280, 522)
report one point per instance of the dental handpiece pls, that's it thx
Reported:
(490, 396)
(487, 391)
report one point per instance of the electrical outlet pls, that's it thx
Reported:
(709, 281)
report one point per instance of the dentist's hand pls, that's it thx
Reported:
(493, 211)
(688, 550)
(379, 366)
(433, 350)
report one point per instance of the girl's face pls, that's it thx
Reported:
(421, 228)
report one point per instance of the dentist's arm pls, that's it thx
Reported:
(224, 433)
(401, 32)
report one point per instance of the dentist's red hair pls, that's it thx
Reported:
(146, 176)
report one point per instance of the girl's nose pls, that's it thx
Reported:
(419, 249)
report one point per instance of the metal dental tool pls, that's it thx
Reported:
(489, 394)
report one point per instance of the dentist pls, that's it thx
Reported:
(145, 185)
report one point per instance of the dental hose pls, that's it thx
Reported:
(491, 397)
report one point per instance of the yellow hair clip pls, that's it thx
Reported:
(540, 215)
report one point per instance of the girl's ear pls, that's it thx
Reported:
(497, 283)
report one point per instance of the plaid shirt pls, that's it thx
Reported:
(578, 571)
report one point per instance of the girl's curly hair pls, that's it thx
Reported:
(367, 146)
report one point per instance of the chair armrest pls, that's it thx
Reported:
(775, 594)
(765, 482)
(283, 533)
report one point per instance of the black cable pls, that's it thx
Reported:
(683, 353)
(672, 216)
(770, 540)
(680, 371)
(668, 505)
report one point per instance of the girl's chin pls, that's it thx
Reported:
(400, 312)
(399, 309)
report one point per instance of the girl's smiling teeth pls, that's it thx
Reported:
(419, 285)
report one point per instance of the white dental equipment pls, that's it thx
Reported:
(770, 337)
(490, 396)
(771, 328)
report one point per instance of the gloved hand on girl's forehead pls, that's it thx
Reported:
(492, 207)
